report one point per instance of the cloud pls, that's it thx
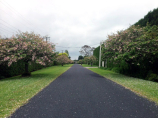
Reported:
(71, 24)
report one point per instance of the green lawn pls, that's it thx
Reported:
(147, 89)
(86, 65)
(16, 91)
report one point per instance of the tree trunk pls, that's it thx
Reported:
(62, 64)
(91, 63)
(26, 73)
(26, 67)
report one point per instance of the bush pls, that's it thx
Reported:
(1, 77)
(109, 68)
(17, 68)
(152, 76)
(133, 52)
(103, 68)
(116, 69)
(26, 74)
(96, 54)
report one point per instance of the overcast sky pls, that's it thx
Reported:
(71, 24)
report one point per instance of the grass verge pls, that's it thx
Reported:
(16, 91)
(147, 89)
(86, 65)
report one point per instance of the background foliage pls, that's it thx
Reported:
(17, 68)
(151, 18)
(96, 54)
(134, 51)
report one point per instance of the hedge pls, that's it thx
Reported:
(17, 68)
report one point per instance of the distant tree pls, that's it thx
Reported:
(71, 61)
(92, 59)
(66, 51)
(63, 54)
(86, 50)
(62, 59)
(80, 57)
(57, 53)
(96, 53)
(81, 62)
(86, 60)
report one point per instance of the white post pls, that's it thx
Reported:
(102, 63)
(100, 55)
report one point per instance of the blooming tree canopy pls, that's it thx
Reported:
(90, 59)
(86, 59)
(134, 45)
(27, 47)
(63, 59)
(81, 61)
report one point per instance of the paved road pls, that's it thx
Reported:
(80, 93)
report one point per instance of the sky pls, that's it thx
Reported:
(71, 24)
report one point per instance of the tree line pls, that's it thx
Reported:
(26, 52)
(134, 51)
(86, 56)
(151, 18)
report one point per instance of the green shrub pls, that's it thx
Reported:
(17, 68)
(96, 54)
(109, 68)
(103, 68)
(1, 77)
(137, 55)
(116, 69)
(152, 76)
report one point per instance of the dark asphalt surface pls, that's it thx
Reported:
(80, 93)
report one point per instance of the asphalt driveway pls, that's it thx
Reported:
(81, 93)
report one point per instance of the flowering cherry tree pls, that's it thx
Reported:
(135, 45)
(86, 60)
(70, 61)
(63, 59)
(81, 61)
(27, 47)
(92, 59)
